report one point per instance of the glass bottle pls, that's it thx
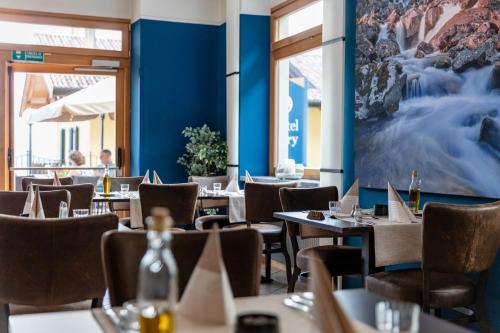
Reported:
(106, 181)
(63, 210)
(414, 191)
(157, 281)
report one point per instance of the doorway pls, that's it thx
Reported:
(61, 120)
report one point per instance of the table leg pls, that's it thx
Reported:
(368, 255)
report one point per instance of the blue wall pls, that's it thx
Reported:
(177, 81)
(255, 37)
(368, 197)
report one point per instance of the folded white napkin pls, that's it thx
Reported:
(208, 296)
(233, 187)
(398, 210)
(146, 179)
(56, 182)
(327, 312)
(156, 178)
(248, 178)
(350, 199)
(33, 205)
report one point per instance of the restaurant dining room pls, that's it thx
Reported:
(249, 166)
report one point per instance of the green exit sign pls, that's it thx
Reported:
(28, 56)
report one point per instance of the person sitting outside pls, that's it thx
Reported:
(105, 158)
(77, 159)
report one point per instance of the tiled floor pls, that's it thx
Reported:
(279, 284)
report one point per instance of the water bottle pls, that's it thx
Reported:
(63, 210)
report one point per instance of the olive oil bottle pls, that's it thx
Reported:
(106, 181)
(414, 192)
(157, 282)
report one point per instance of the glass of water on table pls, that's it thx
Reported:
(334, 207)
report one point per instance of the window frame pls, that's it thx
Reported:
(284, 48)
(69, 20)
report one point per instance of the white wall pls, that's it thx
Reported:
(105, 8)
(189, 11)
(255, 7)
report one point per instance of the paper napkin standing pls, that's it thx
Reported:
(29, 200)
(36, 211)
(248, 178)
(327, 312)
(57, 181)
(233, 187)
(398, 210)
(156, 178)
(146, 180)
(350, 199)
(208, 296)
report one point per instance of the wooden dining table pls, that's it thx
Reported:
(358, 303)
(344, 228)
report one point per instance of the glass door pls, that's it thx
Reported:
(63, 121)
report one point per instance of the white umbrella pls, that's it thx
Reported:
(85, 104)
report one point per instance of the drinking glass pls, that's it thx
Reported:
(203, 190)
(400, 317)
(217, 188)
(357, 214)
(63, 210)
(334, 207)
(80, 212)
(124, 188)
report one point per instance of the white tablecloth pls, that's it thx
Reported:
(395, 242)
(84, 322)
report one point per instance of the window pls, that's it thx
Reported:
(300, 20)
(62, 36)
(296, 71)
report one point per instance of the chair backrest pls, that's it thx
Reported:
(12, 203)
(133, 183)
(81, 195)
(300, 199)
(209, 181)
(180, 199)
(52, 262)
(262, 200)
(85, 180)
(460, 239)
(122, 252)
(27, 181)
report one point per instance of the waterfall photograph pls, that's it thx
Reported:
(428, 95)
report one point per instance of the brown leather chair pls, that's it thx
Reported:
(340, 260)
(207, 221)
(81, 195)
(133, 183)
(27, 181)
(180, 199)
(262, 200)
(52, 263)
(457, 240)
(122, 252)
(12, 203)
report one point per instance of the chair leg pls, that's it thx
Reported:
(267, 275)
(293, 281)
(481, 318)
(288, 262)
(4, 318)
(96, 303)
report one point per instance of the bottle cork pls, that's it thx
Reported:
(160, 219)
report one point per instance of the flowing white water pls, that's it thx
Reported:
(400, 35)
(421, 29)
(436, 130)
(449, 10)
(383, 34)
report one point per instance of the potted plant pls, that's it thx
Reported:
(206, 152)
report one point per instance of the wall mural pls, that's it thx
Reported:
(428, 94)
